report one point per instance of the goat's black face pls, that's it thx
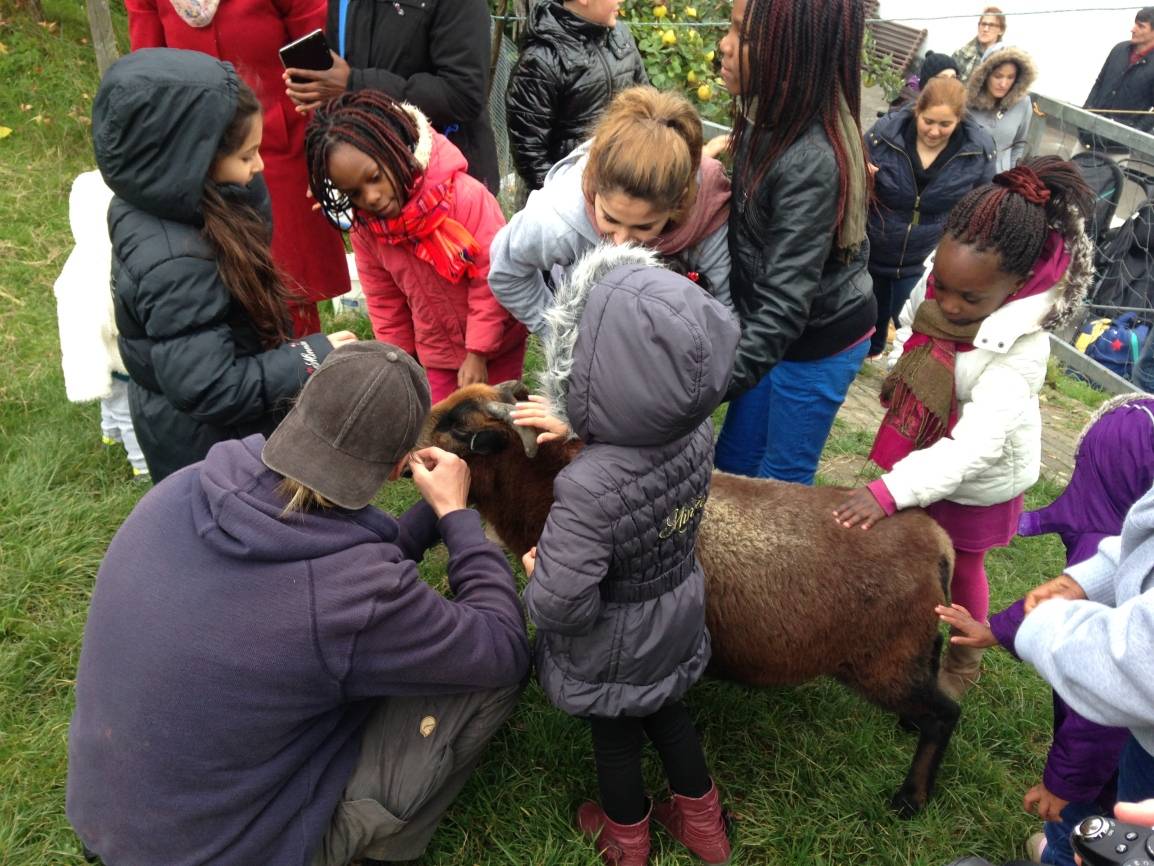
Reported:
(466, 429)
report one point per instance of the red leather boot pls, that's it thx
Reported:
(697, 823)
(618, 844)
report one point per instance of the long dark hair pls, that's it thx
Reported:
(803, 56)
(375, 124)
(240, 238)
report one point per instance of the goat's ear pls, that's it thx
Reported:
(512, 391)
(488, 442)
(500, 412)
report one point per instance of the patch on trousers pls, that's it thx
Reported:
(428, 725)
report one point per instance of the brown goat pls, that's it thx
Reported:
(790, 594)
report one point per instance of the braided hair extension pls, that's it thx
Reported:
(240, 237)
(1014, 214)
(373, 123)
(804, 55)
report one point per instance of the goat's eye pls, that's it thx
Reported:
(461, 434)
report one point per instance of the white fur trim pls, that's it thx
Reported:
(424, 149)
(564, 317)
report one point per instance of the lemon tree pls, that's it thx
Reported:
(679, 53)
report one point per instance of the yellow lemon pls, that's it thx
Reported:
(669, 38)
(660, 11)
(691, 77)
(709, 55)
(705, 93)
(690, 12)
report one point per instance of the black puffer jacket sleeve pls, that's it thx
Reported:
(459, 46)
(790, 219)
(185, 310)
(531, 113)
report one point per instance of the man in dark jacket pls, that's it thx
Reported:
(265, 677)
(432, 53)
(575, 56)
(1127, 77)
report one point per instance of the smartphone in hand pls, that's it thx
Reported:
(311, 51)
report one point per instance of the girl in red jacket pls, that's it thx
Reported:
(421, 228)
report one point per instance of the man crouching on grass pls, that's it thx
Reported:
(265, 678)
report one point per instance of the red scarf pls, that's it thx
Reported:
(425, 225)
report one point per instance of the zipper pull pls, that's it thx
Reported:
(917, 212)
(397, 6)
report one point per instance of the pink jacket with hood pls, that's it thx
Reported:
(409, 303)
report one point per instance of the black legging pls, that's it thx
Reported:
(617, 745)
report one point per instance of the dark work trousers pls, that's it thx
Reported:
(416, 755)
(617, 745)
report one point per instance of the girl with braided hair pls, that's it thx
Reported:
(420, 228)
(797, 230)
(962, 434)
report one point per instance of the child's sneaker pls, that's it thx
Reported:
(141, 476)
(1035, 845)
(108, 441)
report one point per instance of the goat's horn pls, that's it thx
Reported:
(500, 411)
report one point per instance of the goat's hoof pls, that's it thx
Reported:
(906, 804)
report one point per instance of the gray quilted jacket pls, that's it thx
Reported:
(639, 358)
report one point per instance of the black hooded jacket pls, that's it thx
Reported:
(568, 71)
(1125, 85)
(199, 372)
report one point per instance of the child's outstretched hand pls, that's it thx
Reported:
(1040, 801)
(859, 507)
(538, 412)
(1062, 586)
(972, 632)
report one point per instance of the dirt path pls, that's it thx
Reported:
(1062, 421)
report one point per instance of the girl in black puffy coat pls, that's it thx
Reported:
(575, 57)
(204, 329)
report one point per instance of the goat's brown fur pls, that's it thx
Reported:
(790, 594)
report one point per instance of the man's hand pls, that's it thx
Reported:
(339, 338)
(529, 561)
(970, 631)
(859, 507)
(442, 478)
(1062, 586)
(315, 87)
(1041, 802)
(474, 370)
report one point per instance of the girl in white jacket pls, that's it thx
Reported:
(962, 434)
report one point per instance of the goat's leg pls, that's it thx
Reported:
(934, 716)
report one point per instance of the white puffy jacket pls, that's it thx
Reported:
(994, 451)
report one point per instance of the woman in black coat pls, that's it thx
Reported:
(924, 158)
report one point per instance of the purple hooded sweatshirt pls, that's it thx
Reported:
(232, 655)
(1113, 469)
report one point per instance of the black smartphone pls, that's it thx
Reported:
(309, 52)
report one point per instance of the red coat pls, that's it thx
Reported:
(247, 33)
(413, 307)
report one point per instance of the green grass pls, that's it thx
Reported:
(807, 771)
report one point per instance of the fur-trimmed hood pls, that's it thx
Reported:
(635, 355)
(979, 99)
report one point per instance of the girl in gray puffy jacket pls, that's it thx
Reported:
(637, 359)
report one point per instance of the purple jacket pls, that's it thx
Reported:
(232, 655)
(1113, 468)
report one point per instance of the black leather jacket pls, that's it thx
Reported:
(797, 296)
(568, 71)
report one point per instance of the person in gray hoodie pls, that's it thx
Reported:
(636, 361)
(640, 179)
(1089, 632)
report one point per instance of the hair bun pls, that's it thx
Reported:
(1025, 182)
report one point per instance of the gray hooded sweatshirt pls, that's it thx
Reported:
(1097, 653)
(553, 230)
(639, 358)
